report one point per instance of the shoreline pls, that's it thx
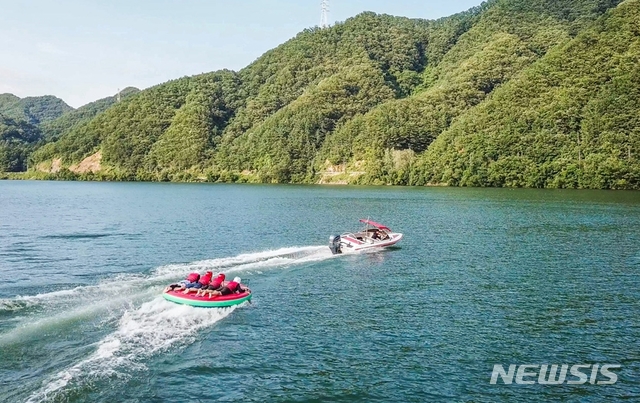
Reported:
(21, 176)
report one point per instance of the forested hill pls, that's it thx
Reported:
(53, 129)
(29, 123)
(32, 110)
(19, 131)
(539, 93)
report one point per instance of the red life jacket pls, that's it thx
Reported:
(193, 277)
(204, 280)
(217, 282)
(233, 286)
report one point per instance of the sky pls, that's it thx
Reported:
(84, 50)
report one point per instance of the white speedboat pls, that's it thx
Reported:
(374, 235)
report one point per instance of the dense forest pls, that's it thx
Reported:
(20, 133)
(29, 124)
(522, 93)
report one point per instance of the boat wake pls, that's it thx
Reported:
(154, 327)
(135, 321)
(249, 262)
(125, 286)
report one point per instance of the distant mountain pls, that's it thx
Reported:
(33, 110)
(18, 139)
(52, 129)
(28, 123)
(535, 93)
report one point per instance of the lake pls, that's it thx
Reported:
(482, 277)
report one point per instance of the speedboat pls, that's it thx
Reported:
(373, 235)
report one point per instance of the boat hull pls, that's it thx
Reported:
(351, 244)
(214, 302)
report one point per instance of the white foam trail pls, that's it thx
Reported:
(21, 302)
(112, 286)
(154, 327)
(34, 326)
(131, 284)
(117, 292)
(237, 263)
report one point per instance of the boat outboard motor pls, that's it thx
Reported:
(334, 244)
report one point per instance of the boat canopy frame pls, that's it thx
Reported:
(375, 224)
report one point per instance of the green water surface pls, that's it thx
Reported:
(482, 277)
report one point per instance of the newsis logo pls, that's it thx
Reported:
(544, 374)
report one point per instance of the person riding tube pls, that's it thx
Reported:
(204, 280)
(214, 284)
(191, 279)
(231, 287)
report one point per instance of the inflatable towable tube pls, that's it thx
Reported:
(214, 302)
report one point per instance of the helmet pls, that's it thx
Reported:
(237, 280)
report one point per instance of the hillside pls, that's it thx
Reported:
(18, 139)
(506, 41)
(192, 123)
(28, 124)
(534, 93)
(571, 120)
(33, 110)
(53, 129)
